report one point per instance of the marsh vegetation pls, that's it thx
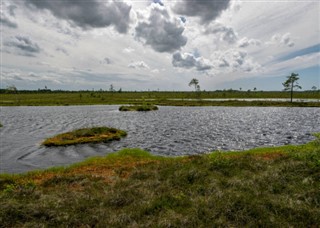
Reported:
(139, 108)
(85, 135)
(272, 187)
(35, 98)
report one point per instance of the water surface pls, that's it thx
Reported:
(170, 131)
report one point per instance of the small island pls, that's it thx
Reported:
(85, 135)
(139, 108)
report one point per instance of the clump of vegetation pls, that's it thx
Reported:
(266, 187)
(1, 125)
(141, 108)
(85, 135)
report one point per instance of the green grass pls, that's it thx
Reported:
(139, 108)
(265, 187)
(156, 98)
(85, 135)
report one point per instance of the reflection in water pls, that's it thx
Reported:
(171, 131)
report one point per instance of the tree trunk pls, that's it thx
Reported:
(291, 91)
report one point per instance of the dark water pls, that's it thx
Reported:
(171, 131)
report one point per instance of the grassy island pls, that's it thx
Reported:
(266, 187)
(85, 135)
(141, 108)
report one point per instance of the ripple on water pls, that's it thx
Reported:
(170, 131)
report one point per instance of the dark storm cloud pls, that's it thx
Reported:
(206, 10)
(188, 61)
(23, 45)
(89, 13)
(161, 32)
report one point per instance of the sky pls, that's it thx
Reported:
(159, 45)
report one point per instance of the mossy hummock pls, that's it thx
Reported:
(85, 135)
(141, 108)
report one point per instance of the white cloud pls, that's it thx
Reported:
(161, 32)
(245, 42)
(284, 40)
(233, 60)
(138, 65)
(128, 50)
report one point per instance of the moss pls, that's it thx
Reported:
(85, 135)
(140, 108)
(265, 187)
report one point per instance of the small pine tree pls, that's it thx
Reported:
(291, 83)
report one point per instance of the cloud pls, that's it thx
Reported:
(284, 40)
(90, 13)
(188, 61)
(128, 50)
(297, 63)
(245, 42)
(106, 60)
(160, 31)
(206, 11)
(62, 50)
(226, 33)
(233, 60)
(138, 65)
(23, 44)
(4, 20)
(158, 2)
(19, 77)
(7, 14)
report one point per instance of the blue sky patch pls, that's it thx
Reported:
(304, 51)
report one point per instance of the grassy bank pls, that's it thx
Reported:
(270, 187)
(156, 98)
(85, 135)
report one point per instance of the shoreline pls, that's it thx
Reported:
(134, 188)
(187, 103)
(269, 149)
(212, 98)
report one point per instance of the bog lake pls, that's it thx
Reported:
(170, 131)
